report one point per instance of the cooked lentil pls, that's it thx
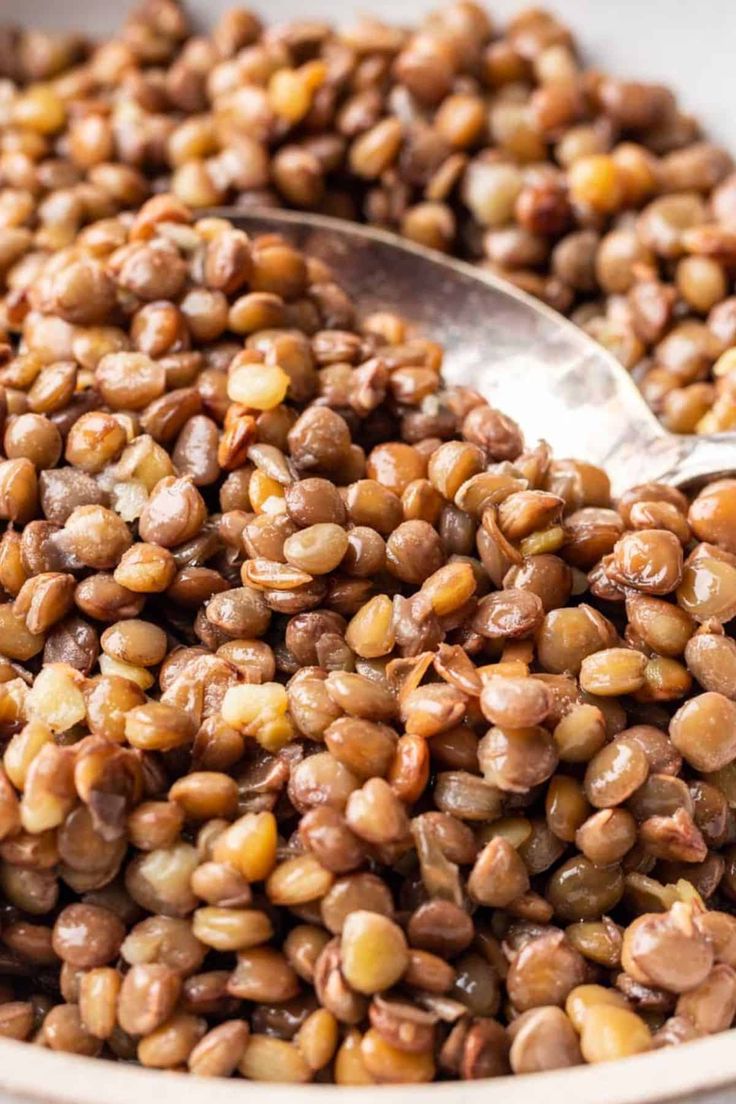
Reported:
(597, 194)
(314, 766)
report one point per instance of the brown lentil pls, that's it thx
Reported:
(168, 672)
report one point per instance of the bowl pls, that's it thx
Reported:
(666, 40)
(697, 1072)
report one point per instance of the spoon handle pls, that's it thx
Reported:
(693, 459)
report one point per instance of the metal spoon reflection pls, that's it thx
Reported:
(527, 360)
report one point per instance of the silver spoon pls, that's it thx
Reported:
(527, 360)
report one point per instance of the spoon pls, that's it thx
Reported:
(523, 357)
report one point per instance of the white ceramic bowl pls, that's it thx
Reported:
(689, 46)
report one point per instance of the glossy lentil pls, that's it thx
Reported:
(295, 712)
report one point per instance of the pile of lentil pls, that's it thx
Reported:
(596, 194)
(343, 737)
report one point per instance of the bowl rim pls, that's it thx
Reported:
(668, 1074)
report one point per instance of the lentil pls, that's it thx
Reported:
(479, 735)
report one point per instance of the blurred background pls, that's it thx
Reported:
(688, 45)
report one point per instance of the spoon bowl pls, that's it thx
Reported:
(522, 356)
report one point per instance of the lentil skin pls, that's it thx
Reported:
(243, 521)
